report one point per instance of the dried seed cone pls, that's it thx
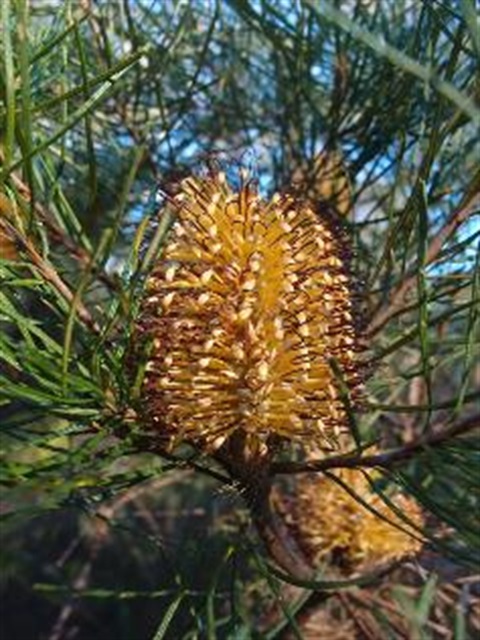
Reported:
(246, 306)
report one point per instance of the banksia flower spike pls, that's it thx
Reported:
(333, 526)
(246, 308)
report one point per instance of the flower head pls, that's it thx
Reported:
(246, 308)
(335, 526)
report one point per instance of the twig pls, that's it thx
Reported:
(385, 460)
(104, 514)
(80, 582)
(107, 511)
(59, 237)
(361, 622)
(50, 274)
(397, 299)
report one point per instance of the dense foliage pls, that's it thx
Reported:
(103, 104)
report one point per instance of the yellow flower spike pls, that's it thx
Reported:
(245, 308)
(335, 527)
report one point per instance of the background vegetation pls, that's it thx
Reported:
(101, 102)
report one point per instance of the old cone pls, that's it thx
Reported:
(246, 310)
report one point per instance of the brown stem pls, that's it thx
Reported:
(60, 238)
(275, 534)
(49, 274)
(397, 299)
(255, 481)
(252, 477)
(97, 539)
(385, 460)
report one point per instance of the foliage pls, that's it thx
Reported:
(101, 103)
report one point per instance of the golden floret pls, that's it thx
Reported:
(246, 308)
(335, 527)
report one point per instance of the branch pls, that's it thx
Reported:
(97, 538)
(60, 238)
(385, 460)
(397, 300)
(49, 273)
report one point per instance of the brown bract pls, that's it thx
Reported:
(246, 308)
